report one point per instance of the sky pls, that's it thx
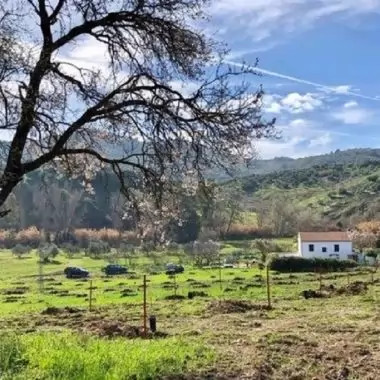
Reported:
(319, 62)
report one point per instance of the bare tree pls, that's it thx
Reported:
(203, 252)
(57, 207)
(223, 208)
(130, 115)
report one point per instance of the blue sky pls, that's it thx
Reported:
(332, 43)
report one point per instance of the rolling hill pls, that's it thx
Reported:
(340, 192)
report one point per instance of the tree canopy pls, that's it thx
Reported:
(163, 105)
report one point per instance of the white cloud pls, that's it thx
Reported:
(343, 89)
(293, 102)
(264, 19)
(353, 116)
(300, 138)
(299, 123)
(297, 103)
(350, 104)
(323, 140)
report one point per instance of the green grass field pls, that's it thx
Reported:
(227, 333)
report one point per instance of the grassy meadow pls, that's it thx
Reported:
(224, 332)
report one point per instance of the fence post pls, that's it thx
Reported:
(175, 284)
(348, 278)
(220, 276)
(320, 279)
(144, 309)
(268, 288)
(90, 297)
(41, 276)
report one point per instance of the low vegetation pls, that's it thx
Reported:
(71, 356)
(300, 264)
(210, 321)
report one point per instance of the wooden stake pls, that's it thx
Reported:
(144, 309)
(90, 297)
(41, 276)
(268, 289)
(220, 276)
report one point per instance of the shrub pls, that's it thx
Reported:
(47, 251)
(7, 238)
(20, 250)
(30, 236)
(241, 232)
(70, 249)
(97, 248)
(65, 238)
(300, 264)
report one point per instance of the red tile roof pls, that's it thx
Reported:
(324, 236)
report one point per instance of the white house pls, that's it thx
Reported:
(333, 245)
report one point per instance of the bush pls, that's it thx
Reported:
(241, 232)
(84, 236)
(70, 249)
(65, 238)
(20, 250)
(47, 251)
(300, 264)
(30, 236)
(7, 239)
(97, 248)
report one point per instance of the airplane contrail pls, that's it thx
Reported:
(341, 90)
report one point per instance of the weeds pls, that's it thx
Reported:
(69, 356)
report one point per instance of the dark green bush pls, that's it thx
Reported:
(47, 251)
(20, 250)
(70, 249)
(300, 264)
(97, 248)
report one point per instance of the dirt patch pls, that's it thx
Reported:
(175, 297)
(64, 310)
(233, 306)
(314, 294)
(58, 292)
(168, 286)
(128, 293)
(355, 288)
(247, 286)
(15, 291)
(193, 294)
(200, 285)
(112, 329)
(13, 299)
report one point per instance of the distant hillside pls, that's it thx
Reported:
(339, 157)
(339, 192)
(278, 164)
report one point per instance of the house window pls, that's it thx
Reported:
(311, 247)
(336, 247)
(324, 249)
